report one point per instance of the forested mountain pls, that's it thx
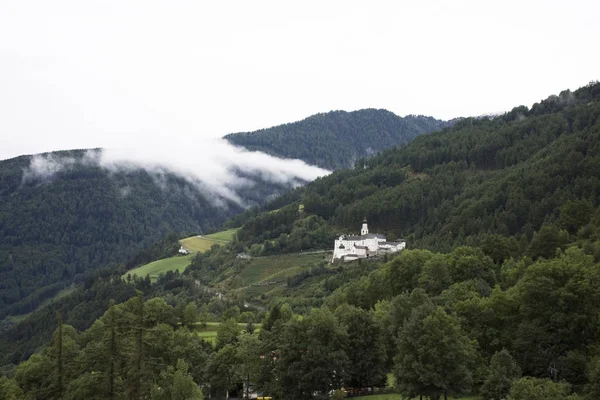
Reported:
(337, 139)
(498, 295)
(57, 224)
(507, 304)
(80, 306)
(509, 176)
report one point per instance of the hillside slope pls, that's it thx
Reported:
(520, 191)
(509, 176)
(338, 138)
(57, 224)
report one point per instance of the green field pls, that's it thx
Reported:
(263, 278)
(209, 336)
(194, 244)
(224, 236)
(155, 268)
(276, 267)
(202, 243)
(209, 332)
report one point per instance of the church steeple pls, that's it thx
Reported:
(365, 228)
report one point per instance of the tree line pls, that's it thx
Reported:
(54, 230)
(498, 295)
(445, 324)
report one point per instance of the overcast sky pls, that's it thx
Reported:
(82, 73)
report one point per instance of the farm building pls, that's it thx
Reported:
(183, 251)
(349, 247)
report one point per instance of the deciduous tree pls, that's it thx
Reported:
(502, 373)
(434, 356)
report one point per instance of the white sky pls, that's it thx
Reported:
(81, 74)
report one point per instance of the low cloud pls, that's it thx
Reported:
(217, 169)
(46, 166)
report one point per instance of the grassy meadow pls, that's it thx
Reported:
(155, 268)
(198, 244)
(264, 278)
(209, 332)
(261, 269)
(265, 269)
(223, 236)
(194, 244)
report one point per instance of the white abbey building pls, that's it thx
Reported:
(348, 248)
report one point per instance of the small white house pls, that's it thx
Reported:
(183, 251)
(349, 247)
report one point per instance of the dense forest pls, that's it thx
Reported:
(481, 180)
(82, 305)
(497, 297)
(57, 226)
(337, 139)
(443, 323)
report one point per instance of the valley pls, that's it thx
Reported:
(496, 290)
(389, 200)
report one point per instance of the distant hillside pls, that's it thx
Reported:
(338, 138)
(57, 227)
(193, 245)
(510, 176)
(512, 206)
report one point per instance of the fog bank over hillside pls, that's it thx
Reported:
(218, 169)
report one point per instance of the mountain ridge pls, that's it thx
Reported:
(400, 190)
(503, 217)
(336, 139)
(72, 216)
(62, 213)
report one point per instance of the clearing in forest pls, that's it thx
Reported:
(277, 267)
(202, 243)
(209, 332)
(155, 268)
(194, 244)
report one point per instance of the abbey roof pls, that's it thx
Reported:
(363, 237)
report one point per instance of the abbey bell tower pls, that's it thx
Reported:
(365, 228)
